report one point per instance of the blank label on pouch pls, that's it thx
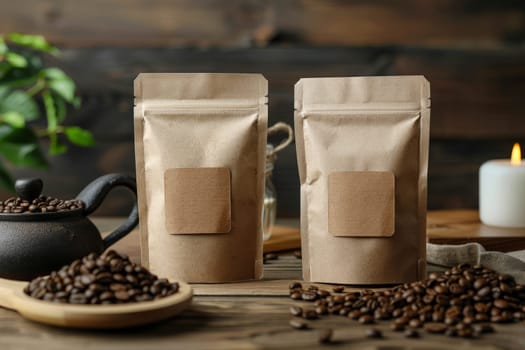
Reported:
(198, 200)
(361, 203)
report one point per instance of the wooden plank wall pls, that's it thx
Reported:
(472, 52)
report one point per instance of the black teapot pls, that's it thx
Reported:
(36, 243)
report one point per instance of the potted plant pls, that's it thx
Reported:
(34, 102)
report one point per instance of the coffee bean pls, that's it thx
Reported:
(121, 295)
(366, 319)
(483, 328)
(270, 256)
(411, 333)
(321, 310)
(296, 295)
(338, 289)
(479, 283)
(414, 323)
(451, 332)
(309, 296)
(309, 314)
(397, 327)
(373, 333)
(295, 285)
(434, 327)
(298, 324)
(325, 336)
(296, 310)
(500, 303)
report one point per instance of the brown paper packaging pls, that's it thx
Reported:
(362, 149)
(200, 154)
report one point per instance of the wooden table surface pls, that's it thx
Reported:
(248, 315)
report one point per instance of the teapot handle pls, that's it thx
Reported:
(94, 193)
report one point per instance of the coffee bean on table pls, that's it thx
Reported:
(338, 289)
(325, 335)
(295, 285)
(298, 324)
(483, 328)
(309, 314)
(374, 333)
(366, 319)
(434, 327)
(296, 295)
(75, 284)
(309, 295)
(397, 327)
(411, 333)
(296, 310)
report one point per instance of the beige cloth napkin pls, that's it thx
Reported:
(442, 256)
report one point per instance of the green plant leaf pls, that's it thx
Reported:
(20, 102)
(20, 146)
(28, 154)
(4, 91)
(77, 101)
(61, 108)
(53, 73)
(15, 119)
(64, 87)
(3, 46)
(36, 42)
(79, 136)
(51, 113)
(6, 181)
(15, 59)
(55, 147)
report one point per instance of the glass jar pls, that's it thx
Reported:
(270, 195)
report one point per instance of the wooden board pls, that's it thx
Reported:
(443, 227)
(463, 226)
(283, 238)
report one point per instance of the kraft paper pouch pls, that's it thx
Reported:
(362, 149)
(200, 142)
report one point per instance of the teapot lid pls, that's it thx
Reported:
(31, 205)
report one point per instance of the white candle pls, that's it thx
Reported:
(502, 191)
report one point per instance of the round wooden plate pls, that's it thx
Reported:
(92, 316)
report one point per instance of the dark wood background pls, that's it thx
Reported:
(471, 51)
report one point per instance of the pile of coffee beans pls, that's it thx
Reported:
(110, 278)
(42, 204)
(463, 301)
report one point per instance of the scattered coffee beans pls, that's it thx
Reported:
(462, 302)
(106, 279)
(42, 204)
